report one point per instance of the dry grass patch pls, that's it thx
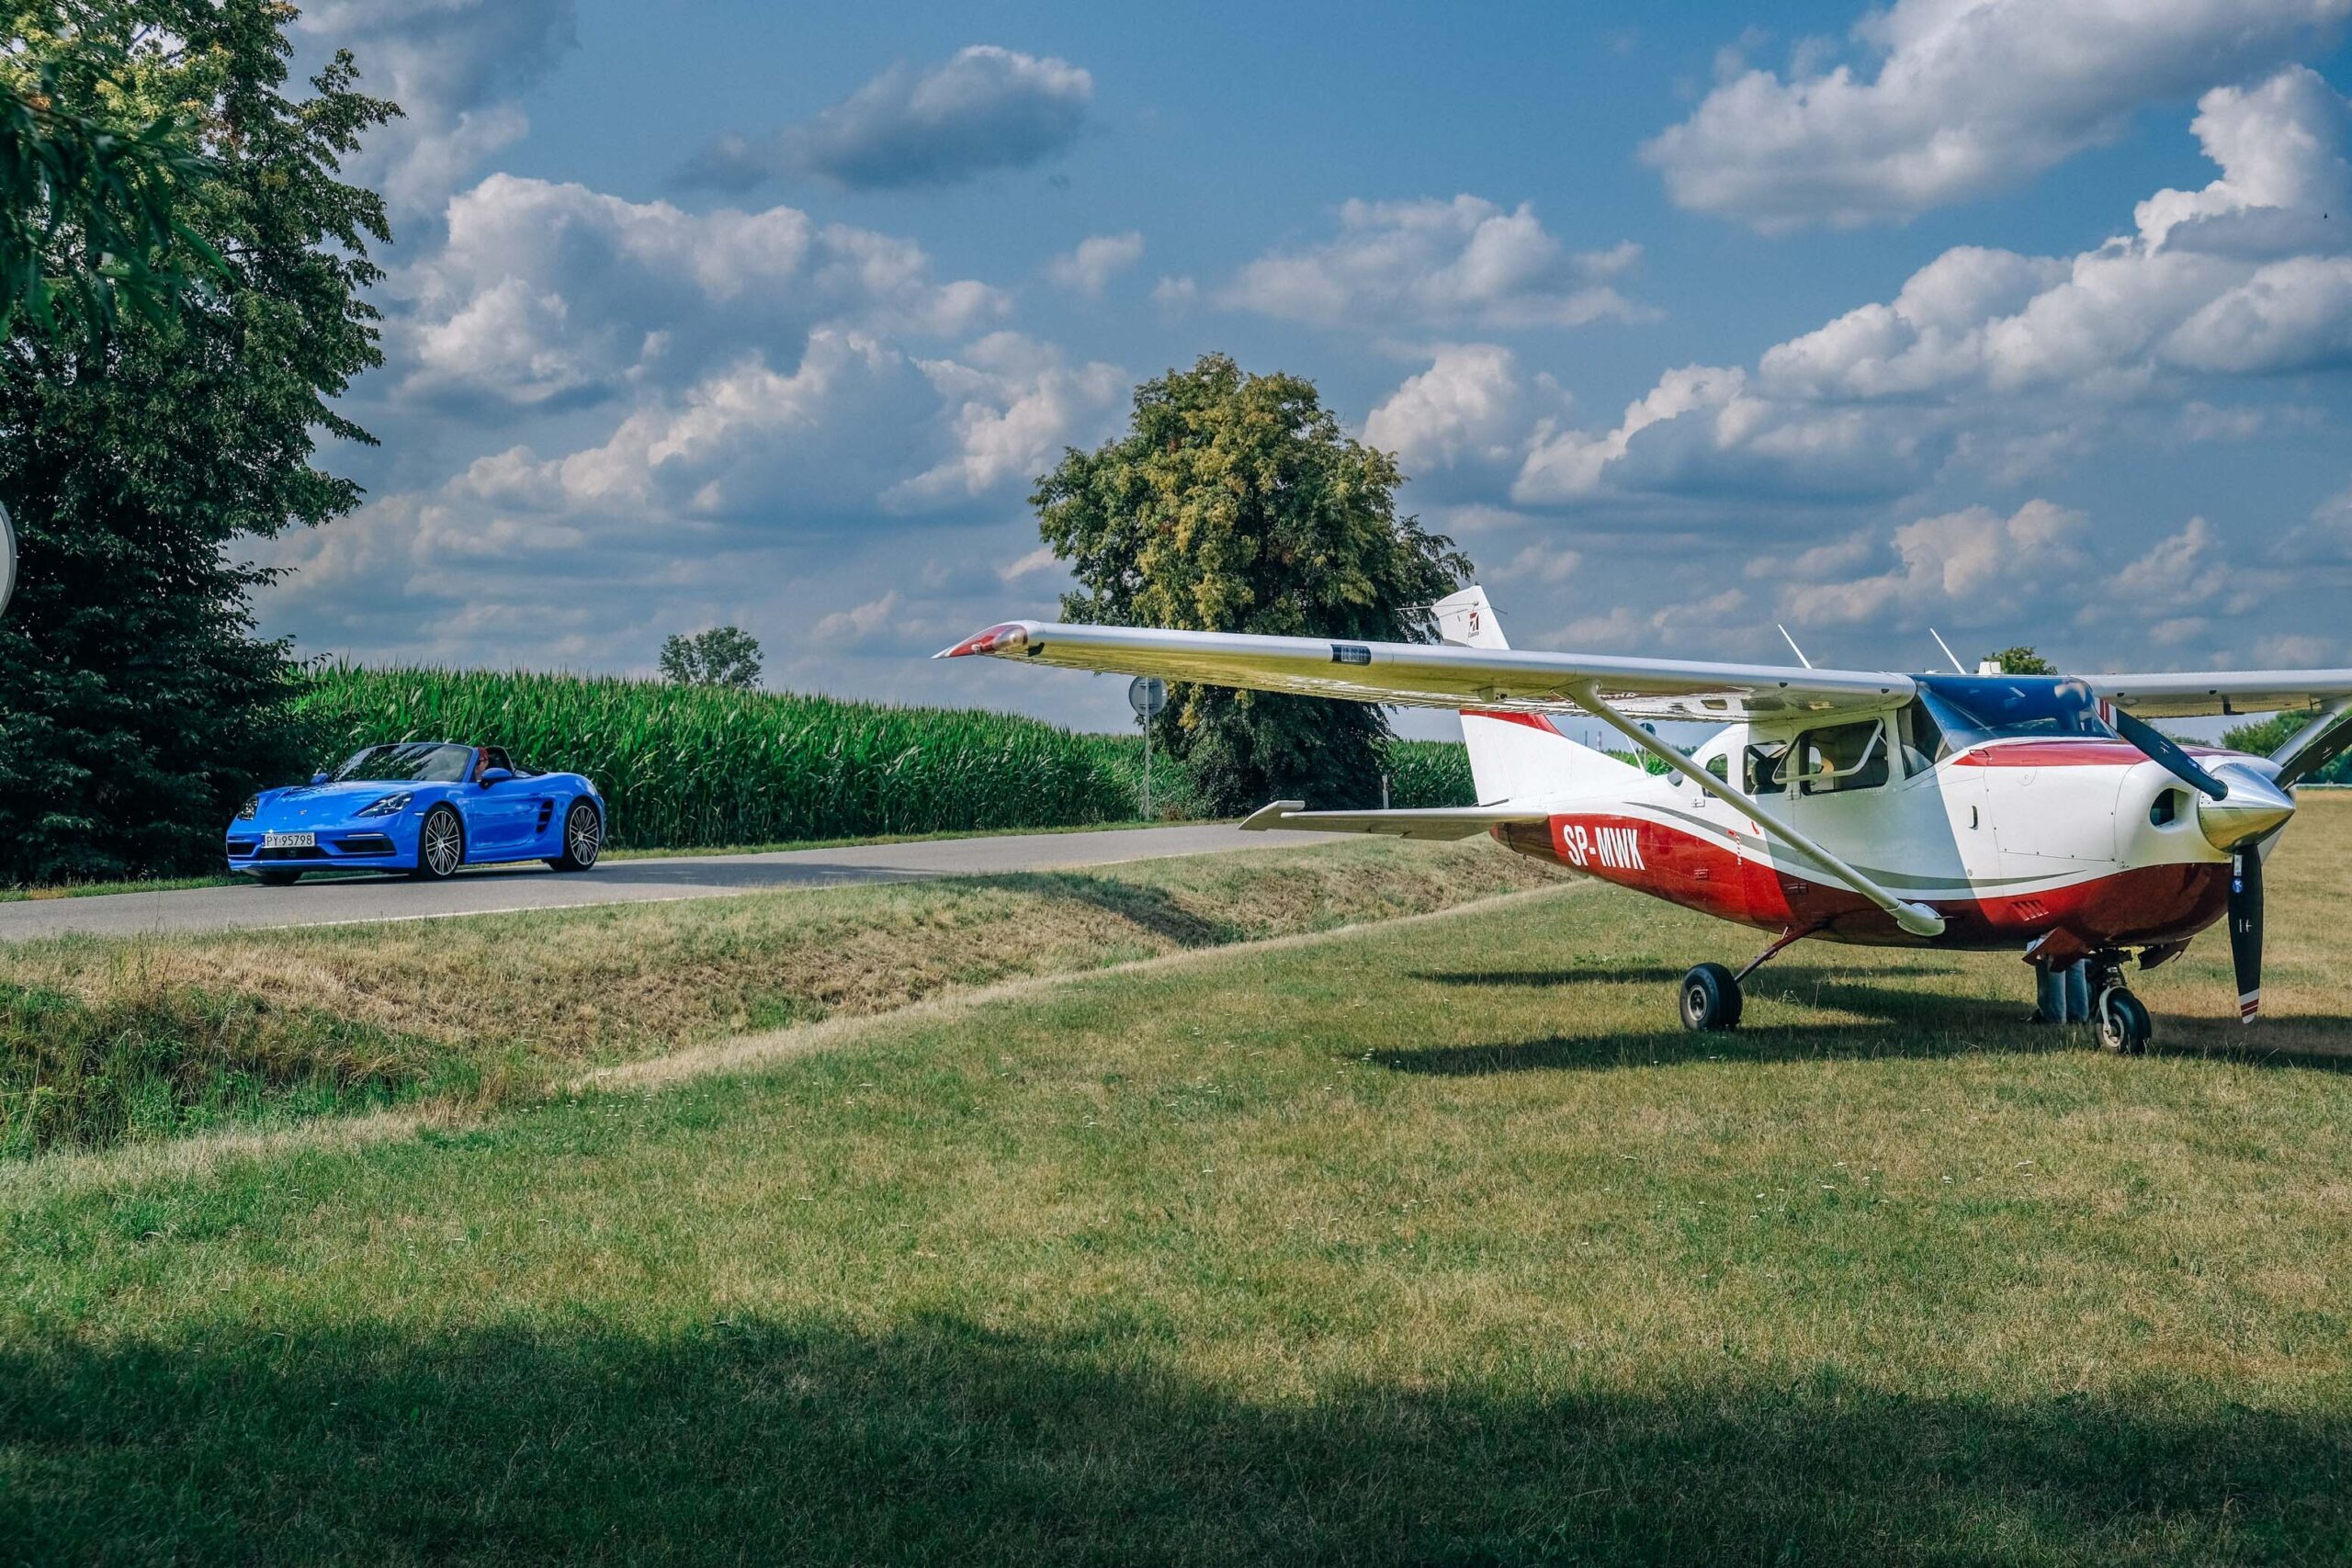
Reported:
(103, 1040)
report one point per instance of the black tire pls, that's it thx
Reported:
(278, 876)
(584, 837)
(440, 845)
(2124, 1026)
(1710, 998)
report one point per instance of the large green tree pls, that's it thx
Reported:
(723, 656)
(1236, 502)
(137, 706)
(89, 186)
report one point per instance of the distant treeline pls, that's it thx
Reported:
(685, 766)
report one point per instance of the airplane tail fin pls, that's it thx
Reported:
(1517, 756)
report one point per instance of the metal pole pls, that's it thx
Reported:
(1147, 768)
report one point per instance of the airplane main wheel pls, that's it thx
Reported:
(1710, 998)
(2124, 1026)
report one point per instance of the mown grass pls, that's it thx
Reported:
(688, 765)
(103, 1040)
(1430, 1243)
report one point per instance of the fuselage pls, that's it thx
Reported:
(2075, 842)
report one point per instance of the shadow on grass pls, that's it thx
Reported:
(1601, 975)
(1909, 1023)
(745, 1441)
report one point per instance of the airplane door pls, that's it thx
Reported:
(1840, 789)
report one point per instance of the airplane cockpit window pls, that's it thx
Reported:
(1842, 756)
(1970, 708)
(1764, 768)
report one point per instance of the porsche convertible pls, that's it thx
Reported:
(426, 808)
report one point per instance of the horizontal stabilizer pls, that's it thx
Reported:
(1442, 822)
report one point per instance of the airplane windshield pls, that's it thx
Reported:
(1970, 708)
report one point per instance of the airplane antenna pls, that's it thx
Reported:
(1795, 649)
(1948, 652)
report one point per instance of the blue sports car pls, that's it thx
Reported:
(423, 806)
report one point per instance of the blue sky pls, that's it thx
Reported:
(2030, 320)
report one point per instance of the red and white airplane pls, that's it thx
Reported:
(2038, 814)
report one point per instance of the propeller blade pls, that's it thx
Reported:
(2245, 929)
(2161, 750)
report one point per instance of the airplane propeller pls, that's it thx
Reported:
(2236, 813)
(2245, 929)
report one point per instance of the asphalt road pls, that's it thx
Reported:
(501, 889)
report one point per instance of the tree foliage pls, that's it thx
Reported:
(723, 656)
(89, 190)
(1236, 502)
(137, 707)
(2263, 737)
(2022, 662)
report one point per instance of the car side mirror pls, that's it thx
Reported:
(318, 778)
(495, 775)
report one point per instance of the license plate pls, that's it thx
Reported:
(289, 841)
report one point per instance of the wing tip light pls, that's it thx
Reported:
(1007, 637)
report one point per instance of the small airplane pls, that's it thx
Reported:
(1989, 812)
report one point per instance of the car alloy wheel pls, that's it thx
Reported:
(441, 844)
(584, 837)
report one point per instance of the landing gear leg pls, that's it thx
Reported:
(2124, 1026)
(1710, 998)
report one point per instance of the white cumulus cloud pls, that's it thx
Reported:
(1096, 260)
(1959, 98)
(458, 69)
(985, 109)
(1466, 262)
(546, 290)
(1968, 563)
(1464, 405)
(2004, 362)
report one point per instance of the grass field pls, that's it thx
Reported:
(1429, 1242)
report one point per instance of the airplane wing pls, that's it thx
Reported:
(2222, 692)
(1616, 691)
(1439, 823)
(1445, 675)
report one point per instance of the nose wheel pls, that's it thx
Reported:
(1710, 998)
(2124, 1026)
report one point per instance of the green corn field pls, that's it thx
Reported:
(681, 766)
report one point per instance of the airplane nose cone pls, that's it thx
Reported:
(2254, 806)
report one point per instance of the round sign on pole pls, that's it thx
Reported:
(1147, 695)
(7, 558)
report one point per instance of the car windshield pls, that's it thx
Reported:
(1970, 708)
(416, 762)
